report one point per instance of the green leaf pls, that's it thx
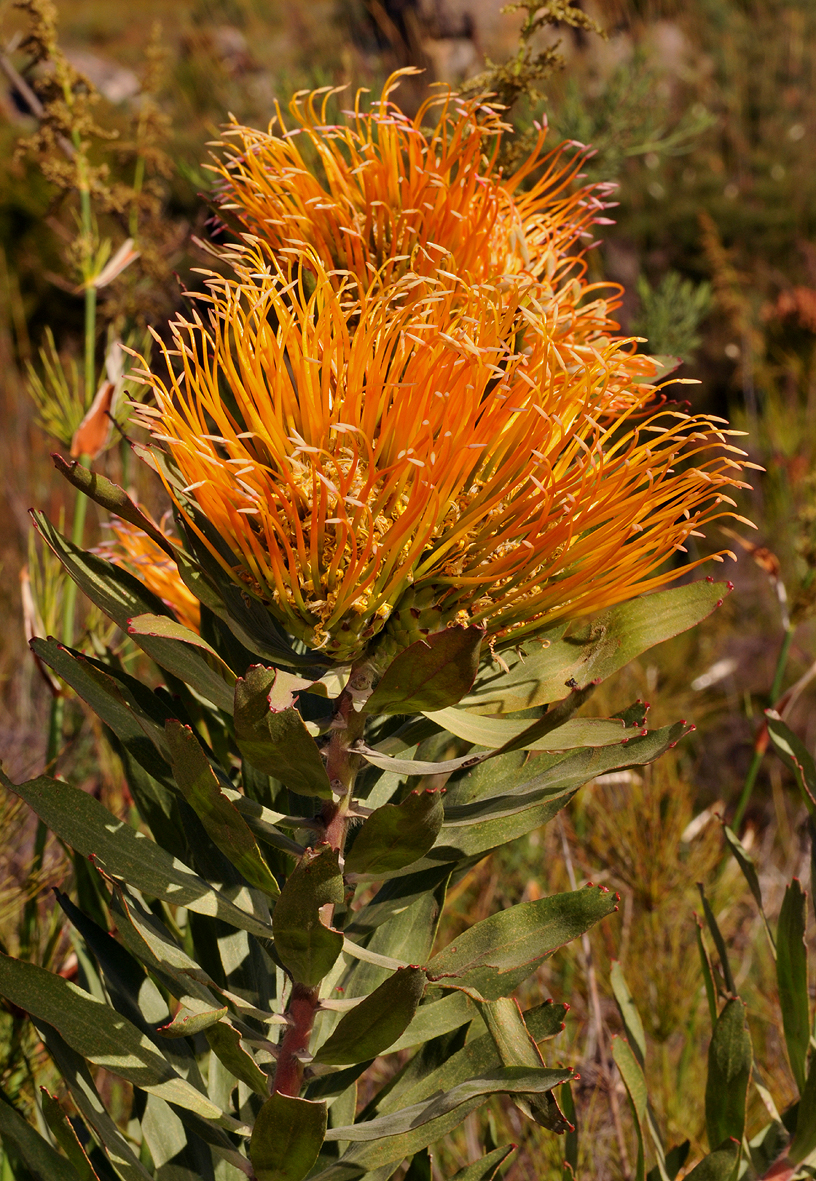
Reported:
(635, 1084)
(431, 674)
(796, 756)
(77, 1077)
(150, 942)
(225, 1043)
(730, 1059)
(66, 1137)
(164, 628)
(708, 975)
(506, 1080)
(508, 815)
(632, 1023)
(477, 1056)
(719, 1165)
(486, 1168)
(377, 1021)
(89, 828)
(43, 1161)
(499, 732)
(571, 1138)
(137, 721)
(396, 835)
(421, 1168)
(791, 975)
(273, 737)
(98, 1033)
(543, 670)
(122, 597)
(222, 820)
(804, 1139)
(187, 1024)
(111, 497)
(719, 943)
(750, 874)
(675, 1159)
(501, 951)
(434, 1019)
(287, 1137)
(174, 1149)
(307, 948)
(516, 1047)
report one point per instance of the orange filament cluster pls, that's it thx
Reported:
(450, 434)
(381, 194)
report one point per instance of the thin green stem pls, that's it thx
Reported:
(781, 664)
(77, 537)
(761, 742)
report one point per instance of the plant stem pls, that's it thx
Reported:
(300, 1013)
(77, 536)
(761, 742)
(341, 767)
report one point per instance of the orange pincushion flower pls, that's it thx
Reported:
(462, 447)
(381, 194)
(132, 548)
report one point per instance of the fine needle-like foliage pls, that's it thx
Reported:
(414, 505)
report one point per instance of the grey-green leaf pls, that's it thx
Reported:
(376, 1023)
(486, 1168)
(508, 1080)
(274, 738)
(306, 947)
(792, 979)
(431, 674)
(77, 1077)
(542, 671)
(98, 1033)
(804, 1139)
(112, 498)
(719, 1165)
(635, 1084)
(89, 828)
(750, 874)
(499, 732)
(123, 597)
(43, 1161)
(286, 1138)
(66, 1137)
(396, 835)
(730, 1058)
(222, 820)
(628, 1011)
(496, 954)
(225, 1043)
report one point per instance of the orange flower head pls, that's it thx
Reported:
(458, 447)
(380, 194)
(132, 548)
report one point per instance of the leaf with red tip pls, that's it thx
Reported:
(501, 951)
(544, 669)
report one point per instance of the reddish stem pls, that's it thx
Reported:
(300, 1013)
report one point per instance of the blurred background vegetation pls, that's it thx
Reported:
(704, 113)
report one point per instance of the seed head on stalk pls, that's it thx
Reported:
(457, 450)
